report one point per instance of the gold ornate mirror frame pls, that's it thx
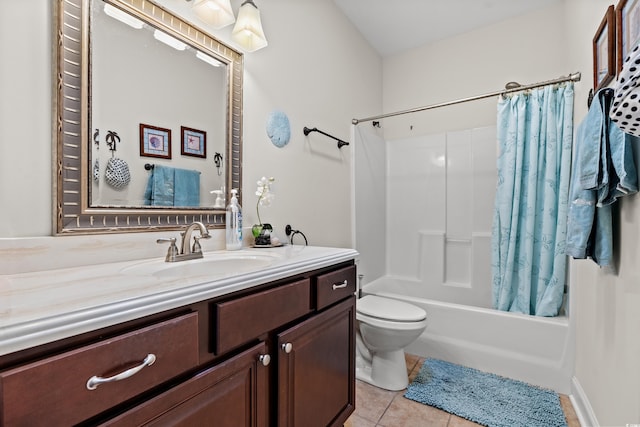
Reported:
(72, 211)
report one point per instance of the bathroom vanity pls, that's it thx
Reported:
(256, 338)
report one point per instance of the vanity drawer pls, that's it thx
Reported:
(241, 320)
(55, 390)
(335, 286)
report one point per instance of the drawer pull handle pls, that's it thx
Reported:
(265, 359)
(95, 381)
(340, 286)
(287, 347)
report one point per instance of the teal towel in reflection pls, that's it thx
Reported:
(186, 188)
(169, 186)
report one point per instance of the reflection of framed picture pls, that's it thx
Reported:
(628, 28)
(194, 142)
(155, 141)
(604, 50)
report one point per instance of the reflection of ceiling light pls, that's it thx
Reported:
(122, 16)
(168, 40)
(217, 13)
(248, 31)
(208, 59)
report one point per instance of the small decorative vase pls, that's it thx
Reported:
(263, 237)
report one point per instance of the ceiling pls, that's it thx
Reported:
(395, 26)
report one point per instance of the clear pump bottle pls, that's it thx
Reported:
(234, 223)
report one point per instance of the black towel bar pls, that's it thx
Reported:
(307, 131)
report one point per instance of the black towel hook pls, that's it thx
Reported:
(112, 138)
(307, 131)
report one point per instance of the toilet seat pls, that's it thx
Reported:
(387, 309)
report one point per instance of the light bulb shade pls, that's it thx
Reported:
(122, 16)
(217, 13)
(248, 31)
(169, 40)
(208, 59)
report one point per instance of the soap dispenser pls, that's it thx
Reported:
(234, 223)
(219, 203)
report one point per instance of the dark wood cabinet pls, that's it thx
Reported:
(316, 367)
(281, 353)
(230, 394)
(56, 389)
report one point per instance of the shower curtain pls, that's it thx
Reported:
(530, 216)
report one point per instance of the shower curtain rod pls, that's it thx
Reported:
(509, 87)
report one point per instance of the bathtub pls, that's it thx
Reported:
(536, 350)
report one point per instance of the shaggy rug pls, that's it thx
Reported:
(485, 398)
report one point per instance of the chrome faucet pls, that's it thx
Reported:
(187, 250)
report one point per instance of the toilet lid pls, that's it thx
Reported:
(389, 309)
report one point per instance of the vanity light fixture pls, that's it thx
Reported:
(208, 59)
(217, 13)
(169, 40)
(123, 17)
(248, 31)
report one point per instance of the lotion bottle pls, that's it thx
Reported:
(234, 223)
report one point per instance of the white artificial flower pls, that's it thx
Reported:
(265, 196)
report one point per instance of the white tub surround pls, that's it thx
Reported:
(44, 306)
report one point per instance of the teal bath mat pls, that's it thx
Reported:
(485, 398)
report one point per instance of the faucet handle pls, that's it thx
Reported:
(196, 243)
(172, 252)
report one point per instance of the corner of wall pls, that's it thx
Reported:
(581, 405)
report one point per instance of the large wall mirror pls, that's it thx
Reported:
(148, 119)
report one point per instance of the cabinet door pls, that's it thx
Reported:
(316, 369)
(233, 393)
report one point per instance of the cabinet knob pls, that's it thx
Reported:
(287, 347)
(265, 359)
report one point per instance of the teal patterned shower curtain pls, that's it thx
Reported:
(535, 131)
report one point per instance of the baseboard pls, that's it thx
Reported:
(582, 406)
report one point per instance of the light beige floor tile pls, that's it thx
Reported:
(457, 421)
(404, 412)
(356, 421)
(371, 402)
(412, 361)
(416, 369)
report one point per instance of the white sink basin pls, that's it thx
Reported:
(213, 264)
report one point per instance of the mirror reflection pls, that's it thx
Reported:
(158, 110)
(148, 119)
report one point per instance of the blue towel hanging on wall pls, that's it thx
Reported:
(168, 186)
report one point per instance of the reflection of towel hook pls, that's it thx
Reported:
(96, 138)
(112, 138)
(217, 158)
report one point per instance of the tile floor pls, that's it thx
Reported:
(383, 408)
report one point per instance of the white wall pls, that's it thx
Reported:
(526, 49)
(25, 118)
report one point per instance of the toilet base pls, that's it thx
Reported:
(386, 370)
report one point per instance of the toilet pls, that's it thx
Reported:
(385, 327)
